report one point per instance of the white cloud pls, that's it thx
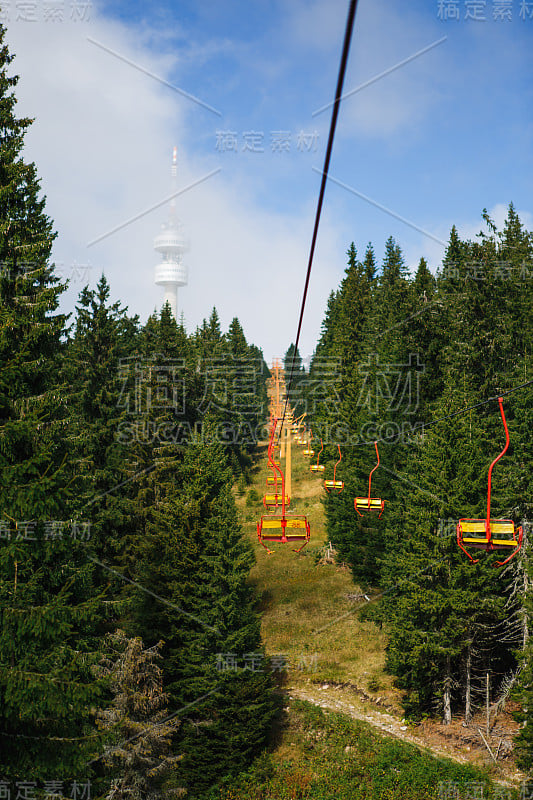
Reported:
(256, 263)
(102, 143)
(387, 34)
(313, 24)
(97, 139)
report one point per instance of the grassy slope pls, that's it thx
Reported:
(325, 755)
(308, 618)
(306, 613)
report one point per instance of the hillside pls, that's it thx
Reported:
(322, 756)
(310, 623)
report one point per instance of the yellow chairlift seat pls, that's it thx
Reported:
(272, 479)
(369, 504)
(318, 467)
(331, 484)
(491, 534)
(283, 529)
(275, 500)
(502, 533)
(308, 452)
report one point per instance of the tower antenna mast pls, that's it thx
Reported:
(171, 273)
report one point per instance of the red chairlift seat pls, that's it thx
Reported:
(491, 534)
(369, 503)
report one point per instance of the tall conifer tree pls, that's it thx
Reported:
(48, 601)
(194, 558)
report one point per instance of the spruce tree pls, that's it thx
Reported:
(245, 376)
(524, 689)
(138, 756)
(454, 627)
(436, 602)
(49, 602)
(194, 558)
(292, 365)
(103, 342)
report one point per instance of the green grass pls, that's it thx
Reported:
(325, 755)
(306, 615)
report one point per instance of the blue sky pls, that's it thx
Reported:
(435, 140)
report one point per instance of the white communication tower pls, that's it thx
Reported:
(172, 244)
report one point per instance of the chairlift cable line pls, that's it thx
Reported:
(333, 124)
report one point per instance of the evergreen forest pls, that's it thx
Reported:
(127, 454)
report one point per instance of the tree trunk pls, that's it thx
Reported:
(468, 695)
(487, 703)
(447, 698)
(525, 628)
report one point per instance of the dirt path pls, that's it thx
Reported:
(326, 697)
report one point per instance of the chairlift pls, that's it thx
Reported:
(318, 467)
(271, 501)
(491, 534)
(282, 528)
(370, 503)
(333, 485)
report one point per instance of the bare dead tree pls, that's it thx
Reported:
(141, 756)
